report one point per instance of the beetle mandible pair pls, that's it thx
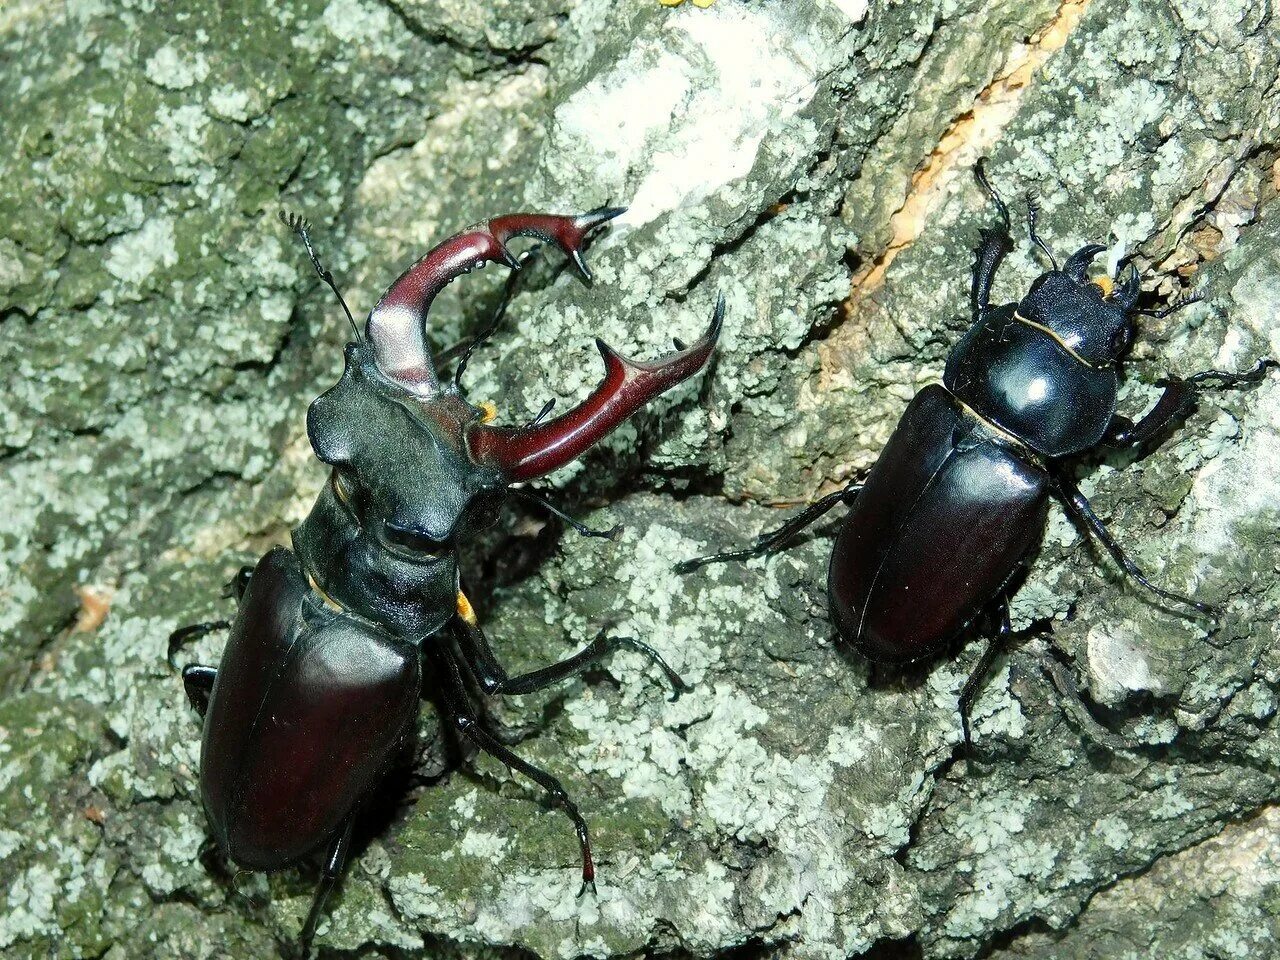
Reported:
(956, 504)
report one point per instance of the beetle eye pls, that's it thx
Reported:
(414, 540)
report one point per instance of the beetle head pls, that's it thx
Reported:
(1091, 319)
(401, 461)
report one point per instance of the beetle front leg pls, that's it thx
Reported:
(495, 681)
(465, 722)
(1175, 403)
(768, 543)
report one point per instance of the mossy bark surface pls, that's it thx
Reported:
(162, 335)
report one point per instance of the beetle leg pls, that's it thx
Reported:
(191, 632)
(978, 675)
(334, 864)
(1033, 214)
(1078, 506)
(768, 543)
(1176, 402)
(533, 496)
(455, 696)
(237, 585)
(994, 244)
(198, 681)
(495, 681)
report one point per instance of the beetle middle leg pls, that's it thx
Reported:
(465, 722)
(768, 543)
(1078, 506)
(198, 679)
(494, 680)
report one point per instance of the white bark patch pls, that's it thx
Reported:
(690, 110)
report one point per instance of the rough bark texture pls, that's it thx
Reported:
(162, 335)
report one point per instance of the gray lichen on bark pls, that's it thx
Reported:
(162, 337)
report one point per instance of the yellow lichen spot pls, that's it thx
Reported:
(1105, 285)
(465, 610)
(489, 411)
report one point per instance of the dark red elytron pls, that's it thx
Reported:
(317, 693)
(956, 504)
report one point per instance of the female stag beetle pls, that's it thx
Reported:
(318, 689)
(957, 502)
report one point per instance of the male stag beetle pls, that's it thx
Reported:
(957, 502)
(318, 689)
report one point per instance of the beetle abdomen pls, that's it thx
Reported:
(306, 714)
(943, 521)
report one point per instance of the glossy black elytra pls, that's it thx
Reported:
(317, 693)
(957, 502)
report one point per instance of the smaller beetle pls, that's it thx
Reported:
(316, 696)
(957, 502)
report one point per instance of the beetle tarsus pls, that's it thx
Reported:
(184, 635)
(1226, 378)
(467, 725)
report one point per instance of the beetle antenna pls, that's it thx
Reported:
(1033, 211)
(508, 293)
(980, 172)
(300, 226)
(1173, 308)
(534, 497)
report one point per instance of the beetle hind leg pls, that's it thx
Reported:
(335, 862)
(772, 542)
(978, 675)
(465, 722)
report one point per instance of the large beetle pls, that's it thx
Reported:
(957, 502)
(317, 692)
